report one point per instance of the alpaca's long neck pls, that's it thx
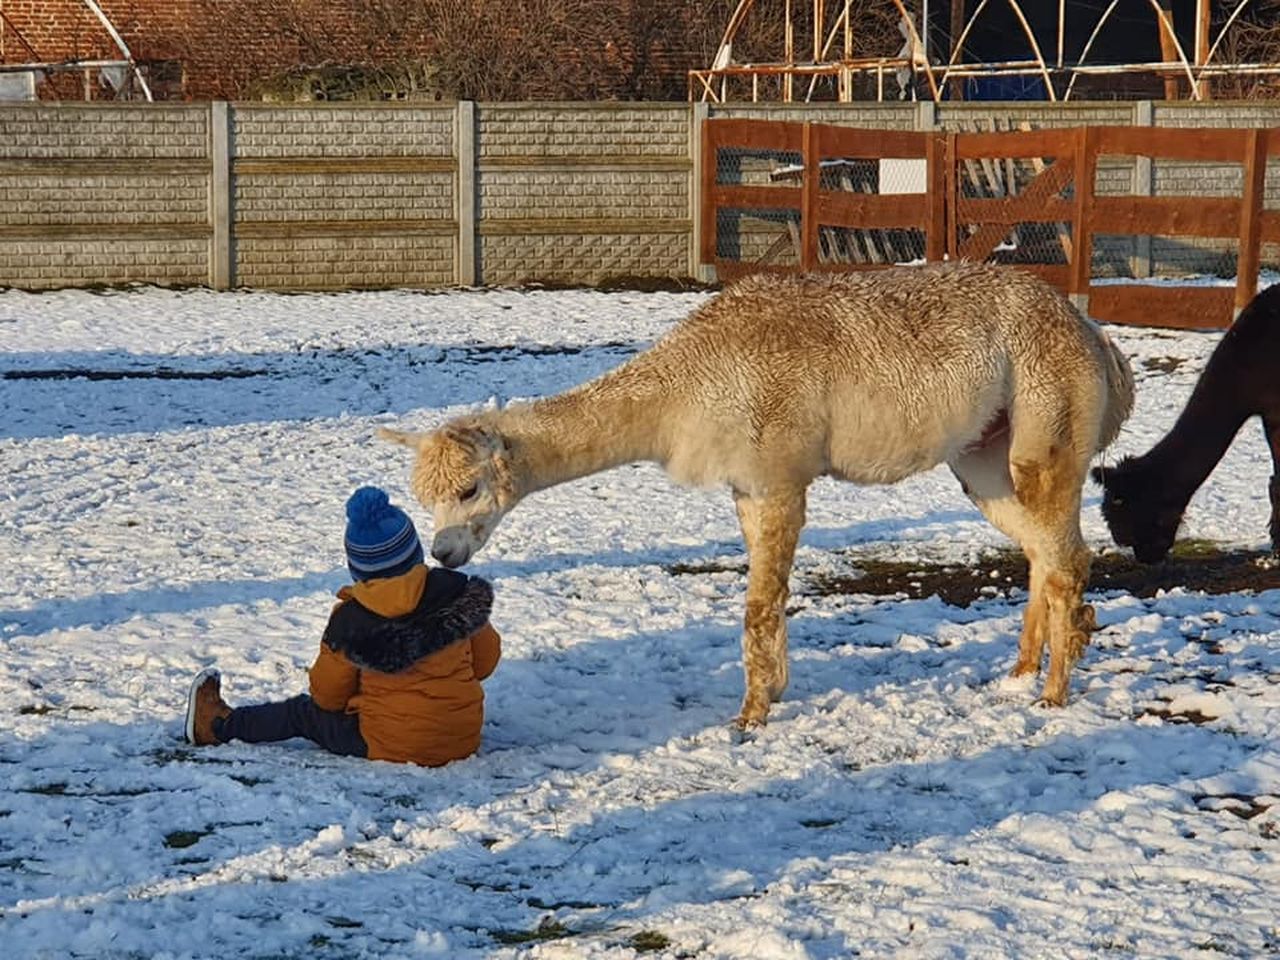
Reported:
(615, 419)
(1183, 459)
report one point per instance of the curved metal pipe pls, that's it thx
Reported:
(1167, 24)
(1225, 27)
(102, 18)
(1088, 43)
(959, 44)
(1035, 48)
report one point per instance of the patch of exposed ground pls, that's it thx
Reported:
(1163, 364)
(1192, 564)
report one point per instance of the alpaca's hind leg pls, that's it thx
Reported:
(1274, 526)
(1034, 620)
(1036, 503)
(1048, 488)
(771, 526)
(984, 475)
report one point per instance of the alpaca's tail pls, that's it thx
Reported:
(1119, 386)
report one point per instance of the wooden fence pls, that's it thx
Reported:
(1026, 197)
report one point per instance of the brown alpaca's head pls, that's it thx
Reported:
(1136, 514)
(463, 475)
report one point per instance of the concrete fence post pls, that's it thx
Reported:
(926, 115)
(465, 134)
(221, 250)
(1143, 186)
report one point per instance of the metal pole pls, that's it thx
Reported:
(924, 27)
(1062, 19)
(1202, 32)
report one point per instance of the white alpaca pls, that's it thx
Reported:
(867, 377)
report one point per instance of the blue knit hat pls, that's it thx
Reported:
(380, 540)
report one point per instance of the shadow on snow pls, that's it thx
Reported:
(85, 392)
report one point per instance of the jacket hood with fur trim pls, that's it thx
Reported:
(453, 607)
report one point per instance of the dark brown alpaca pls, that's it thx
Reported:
(1145, 496)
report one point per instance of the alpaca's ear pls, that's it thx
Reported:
(406, 438)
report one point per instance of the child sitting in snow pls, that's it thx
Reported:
(400, 664)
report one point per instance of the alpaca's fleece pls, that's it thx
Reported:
(866, 377)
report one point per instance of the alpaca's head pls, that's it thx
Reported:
(1136, 514)
(463, 475)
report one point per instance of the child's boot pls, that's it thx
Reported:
(204, 705)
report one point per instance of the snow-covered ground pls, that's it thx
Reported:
(905, 800)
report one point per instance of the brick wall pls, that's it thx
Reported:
(217, 53)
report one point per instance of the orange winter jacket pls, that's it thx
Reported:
(407, 654)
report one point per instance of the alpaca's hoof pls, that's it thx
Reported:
(1086, 619)
(1024, 668)
(753, 715)
(1077, 643)
(1052, 698)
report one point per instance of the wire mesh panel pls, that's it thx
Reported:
(1071, 205)
(870, 196)
(748, 232)
(852, 242)
(1014, 199)
(1208, 232)
(812, 196)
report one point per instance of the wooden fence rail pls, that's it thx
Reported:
(824, 192)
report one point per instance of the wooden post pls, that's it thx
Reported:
(1086, 165)
(221, 251)
(809, 186)
(466, 267)
(1249, 255)
(957, 28)
(937, 162)
(1202, 47)
(700, 267)
(952, 194)
(1168, 48)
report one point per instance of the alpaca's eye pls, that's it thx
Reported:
(468, 493)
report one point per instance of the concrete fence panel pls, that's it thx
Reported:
(104, 194)
(336, 196)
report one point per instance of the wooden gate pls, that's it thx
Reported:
(791, 197)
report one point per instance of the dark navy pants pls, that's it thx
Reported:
(334, 730)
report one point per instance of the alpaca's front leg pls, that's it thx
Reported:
(771, 526)
(1275, 514)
